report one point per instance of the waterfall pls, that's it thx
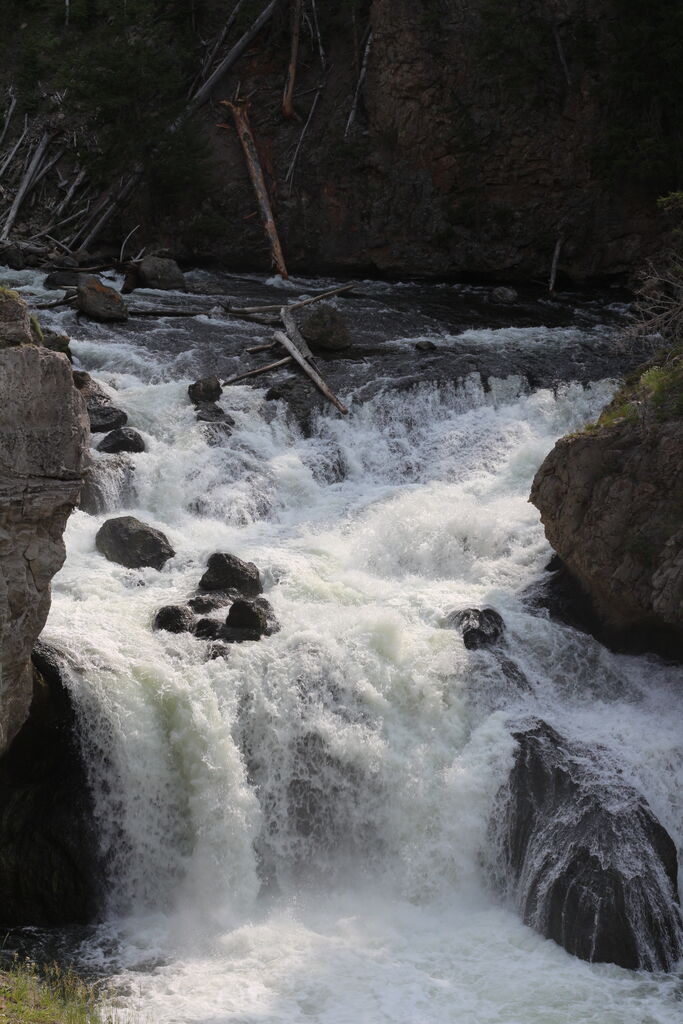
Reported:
(301, 830)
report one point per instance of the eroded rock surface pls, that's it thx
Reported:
(43, 438)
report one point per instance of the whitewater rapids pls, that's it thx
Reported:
(220, 908)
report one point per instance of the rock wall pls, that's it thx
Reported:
(43, 437)
(611, 502)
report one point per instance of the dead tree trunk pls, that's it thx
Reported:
(25, 186)
(240, 114)
(288, 110)
(359, 86)
(7, 162)
(8, 115)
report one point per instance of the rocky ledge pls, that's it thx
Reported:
(43, 436)
(611, 502)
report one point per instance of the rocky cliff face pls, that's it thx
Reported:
(611, 501)
(43, 435)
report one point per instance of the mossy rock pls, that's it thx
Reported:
(15, 322)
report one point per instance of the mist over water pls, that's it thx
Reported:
(302, 831)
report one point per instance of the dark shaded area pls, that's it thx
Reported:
(592, 866)
(49, 870)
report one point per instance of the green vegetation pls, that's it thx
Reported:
(50, 996)
(652, 393)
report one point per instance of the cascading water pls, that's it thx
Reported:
(301, 831)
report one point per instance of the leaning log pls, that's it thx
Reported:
(259, 369)
(294, 342)
(26, 184)
(240, 113)
(294, 305)
(288, 110)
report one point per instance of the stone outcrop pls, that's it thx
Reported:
(611, 502)
(43, 438)
(591, 865)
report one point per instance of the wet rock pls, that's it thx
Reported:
(219, 650)
(247, 615)
(174, 618)
(13, 257)
(237, 634)
(49, 868)
(272, 624)
(162, 273)
(228, 572)
(61, 279)
(207, 629)
(209, 412)
(105, 418)
(208, 389)
(503, 294)
(98, 301)
(15, 322)
(124, 439)
(130, 542)
(594, 868)
(425, 346)
(479, 627)
(203, 603)
(326, 330)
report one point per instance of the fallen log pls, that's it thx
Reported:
(26, 184)
(8, 114)
(7, 162)
(288, 110)
(295, 305)
(260, 369)
(262, 348)
(240, 113)
(297, 347)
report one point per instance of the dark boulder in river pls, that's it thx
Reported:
(123, 439)
(247, 615)
(479, 627)
(103, 415)
(592, 866)
(326, 330)
(49, 873)
(132, 543)
(160, 272)
(174, 618)
(208, 389)
(228, 572)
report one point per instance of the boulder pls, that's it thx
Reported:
(103, 415)
(15, 322)
(209, 602)
(272, 624)
(479, 627)
(325, 329)
(209, 412)
(208, 389)
(105, 418)
(98, 301)
(61, 279)
(124, 439)
(228, 572)
(56, 341)
(207, 629)
(247, 615)
(130, 542)
(162, 273)
(503, 294)
(237, 634)
(174, 618)
(592, 866)
(425, 346)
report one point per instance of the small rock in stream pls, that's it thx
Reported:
(208, 389)
(479, 627)
(228, 572)
(98, 301)
(174, 618)
(247, 615)
(162, 273)
(132, 543)
(124, 439)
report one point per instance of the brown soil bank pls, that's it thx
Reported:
(611, 501)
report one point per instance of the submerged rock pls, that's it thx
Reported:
(228, 572)
(479, 627)
(98, 301)
(132, 543)
(209, 412)
(504, 294)
(123, 439)
(49, 867)
(208, 389)
(207, 629)
(592, 866)
(209, 602)
(174, 618)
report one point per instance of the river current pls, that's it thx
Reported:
(378, 906)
